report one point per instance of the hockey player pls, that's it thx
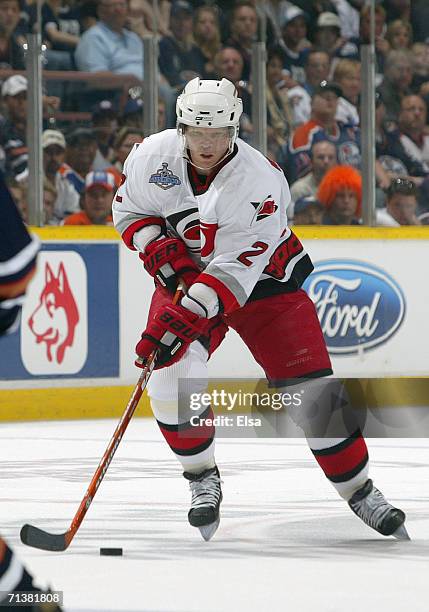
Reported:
(201, 205)
(18, 252)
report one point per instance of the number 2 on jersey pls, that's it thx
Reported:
(259, 248)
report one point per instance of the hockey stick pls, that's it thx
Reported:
(38, 538)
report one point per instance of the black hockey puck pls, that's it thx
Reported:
(111, 552)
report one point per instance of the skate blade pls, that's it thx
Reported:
(208, 531)
(401, 533)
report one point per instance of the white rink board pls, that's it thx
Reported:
(286, 541)
(404, 353)
(384, 298)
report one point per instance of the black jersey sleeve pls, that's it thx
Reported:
(18, 252)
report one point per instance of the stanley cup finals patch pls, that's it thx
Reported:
(164, 177)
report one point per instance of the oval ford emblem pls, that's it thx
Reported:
(359, 305)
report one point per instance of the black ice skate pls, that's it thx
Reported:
(371, 506)
(206, 499)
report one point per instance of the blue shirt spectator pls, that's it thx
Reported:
(294, 42)
(322, 126)
(108, 46)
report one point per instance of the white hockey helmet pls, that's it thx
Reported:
(211, 104)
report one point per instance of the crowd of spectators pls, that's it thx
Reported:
(313, 92)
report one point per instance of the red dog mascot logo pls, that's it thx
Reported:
(55, 318)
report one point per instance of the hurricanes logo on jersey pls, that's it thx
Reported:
(264, 209)
(164, 177)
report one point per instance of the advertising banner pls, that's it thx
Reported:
(70, 319)
(372, 305)
(371, 301)
(88, 302)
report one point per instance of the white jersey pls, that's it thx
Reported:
(418, 152)
(235, 228)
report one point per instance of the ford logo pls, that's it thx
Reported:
(359, 305)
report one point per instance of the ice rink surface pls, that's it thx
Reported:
(286, 541)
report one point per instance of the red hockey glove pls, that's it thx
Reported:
(172, 330)
(167, 260)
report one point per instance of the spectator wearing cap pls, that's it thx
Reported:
(132, 115)
(401, 204)
(180, 60)
(322, 126)
(81, 148)
(104, 125)
(11, 47)
(13, 136)
(125, 140)
(347, 74)
(109, 46)
(54, 153)
(340, 192)
(308, 211)
(349, 17)
(323, 156)
(96, 202)
(243, 32)
(294, 42)
(328, 37)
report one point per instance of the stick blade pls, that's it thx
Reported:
(37, 538)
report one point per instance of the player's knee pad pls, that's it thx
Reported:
(191, 370)
(165, 411)
(324, 409)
